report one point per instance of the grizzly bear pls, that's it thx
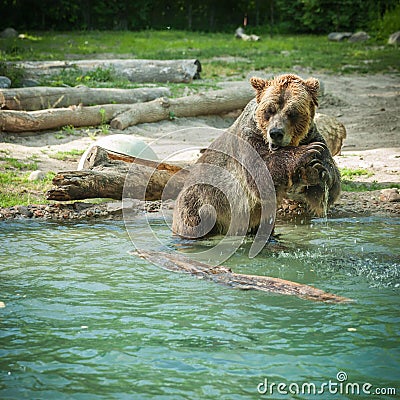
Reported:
(222, 193)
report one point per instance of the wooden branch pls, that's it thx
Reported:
(133, 70)
(31, 121)
(99, 156)
(146, 179)
(40, 98)
(213, 102)
(225, 276)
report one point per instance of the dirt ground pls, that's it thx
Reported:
(368, 106)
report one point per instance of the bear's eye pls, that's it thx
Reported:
(292, 114)
(269, 112)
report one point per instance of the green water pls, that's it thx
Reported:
(86, 320)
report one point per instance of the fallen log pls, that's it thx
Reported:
(213, 102)
(53, 118)
(99, 156)
(40, 98)
(134, 70)
(225, 276)
(146, 179)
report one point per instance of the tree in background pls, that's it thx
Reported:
(283, 16)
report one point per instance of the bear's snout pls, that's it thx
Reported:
(276, 135)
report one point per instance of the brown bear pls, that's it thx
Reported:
(222, 193)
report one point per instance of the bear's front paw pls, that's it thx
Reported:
(311, 170)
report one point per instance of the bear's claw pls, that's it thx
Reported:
(311, 171)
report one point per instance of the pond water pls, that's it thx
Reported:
(83, 319)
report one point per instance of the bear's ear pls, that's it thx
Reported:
(312, 86)
(258, 84)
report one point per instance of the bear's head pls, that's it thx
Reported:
(285, 108)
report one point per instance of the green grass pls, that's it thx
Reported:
(16, 189)
(351, 186)
(67, 155)
(272, 55)
(11, 163)
(350, 174)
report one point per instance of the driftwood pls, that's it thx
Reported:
(133, 70)
(40, 98)
(213, 102)
(100, 157)
(225, 276)
(108, 175)
(30, 121)
(124, 115)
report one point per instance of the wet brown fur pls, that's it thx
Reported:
(299, 162)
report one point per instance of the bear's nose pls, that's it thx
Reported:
(276, 134)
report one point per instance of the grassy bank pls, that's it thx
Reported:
(220, 54)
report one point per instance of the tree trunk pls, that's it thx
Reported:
(225, 276)
(133, 70)
(143, 179)
(100, 157)
(31, 121)
(40, 98)
(213, 102)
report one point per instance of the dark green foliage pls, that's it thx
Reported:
(15, 74)
(305, 16)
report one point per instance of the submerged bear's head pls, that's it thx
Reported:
(285, 108)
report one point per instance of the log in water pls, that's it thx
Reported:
(225, 276)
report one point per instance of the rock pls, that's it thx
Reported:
(36, 175)
(240, 34)
(333, 131)
(389, 195)
(359, 37)
(29, 83)
(394, 38)
(339, 36)
(8, 33)
(5, 82)
(25, 211)
(114, 207)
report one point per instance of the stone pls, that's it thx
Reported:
(9, 33)
(339, 36)
(394, 38)
(5, 82)
(36, 175)
(25, 211)
(114, 207)
(389, 195)
(359, 37)
(29, 83)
